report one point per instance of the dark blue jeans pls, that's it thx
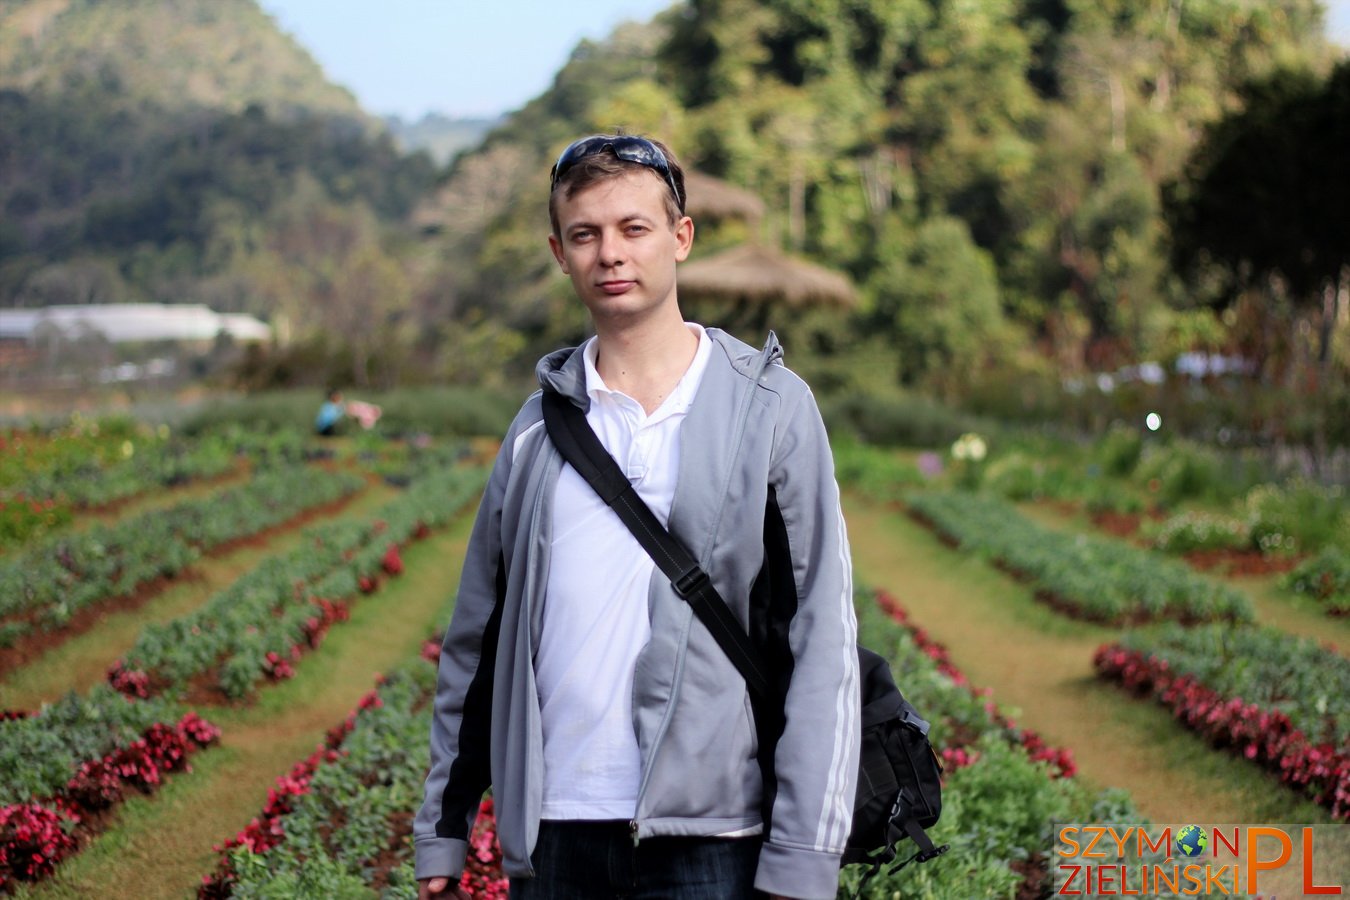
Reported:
(597, 860)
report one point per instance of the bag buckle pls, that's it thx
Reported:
(690, 582)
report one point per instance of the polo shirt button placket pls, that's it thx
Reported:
(639, 453)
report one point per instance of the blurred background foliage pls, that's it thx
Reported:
(1028, 195)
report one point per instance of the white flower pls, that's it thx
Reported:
(969, 446)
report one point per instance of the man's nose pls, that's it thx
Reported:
(612, 251)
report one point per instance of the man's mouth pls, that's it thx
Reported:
(616, 287)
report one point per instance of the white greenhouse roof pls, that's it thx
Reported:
(129, 322)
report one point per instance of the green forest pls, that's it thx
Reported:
(1024, 193)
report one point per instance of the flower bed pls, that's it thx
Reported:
(258, 627)
(338, 823)
(39, 753)
(48, 584)
(28, 453)
(139, 463)
(75, 759)
(1092, 578)
(23, 517)
(1004, 787)
(46, 477)
(1281, 701)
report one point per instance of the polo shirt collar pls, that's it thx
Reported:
(680, 398)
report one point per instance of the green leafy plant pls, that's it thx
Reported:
(1326, 578)
(257, 628)
(1120, 450)
(1090, 577)
(1189, 531)
(1003, 790)
(874, 471)
(1298, 517)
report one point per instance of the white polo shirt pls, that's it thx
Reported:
(595, 618)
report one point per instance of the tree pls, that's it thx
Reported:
(938, 292)
(1265, 202)
(83, 280)
(366, 306)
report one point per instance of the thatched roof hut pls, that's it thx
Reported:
(713, 198)
(752, 273)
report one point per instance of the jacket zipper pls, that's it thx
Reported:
(766, 355)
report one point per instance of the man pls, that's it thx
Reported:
(617, 737)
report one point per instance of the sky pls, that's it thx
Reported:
(477, 58)
(462, 58)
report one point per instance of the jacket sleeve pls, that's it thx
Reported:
(460, 725)
(816, 761)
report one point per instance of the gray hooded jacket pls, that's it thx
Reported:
(757, 504)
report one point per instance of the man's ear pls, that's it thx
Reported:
(684, 238)
(555, 245)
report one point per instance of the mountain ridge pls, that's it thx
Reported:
(218, 54)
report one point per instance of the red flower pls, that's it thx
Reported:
(392, 563)
(33, 839)
(1267, 737)
(483, 875)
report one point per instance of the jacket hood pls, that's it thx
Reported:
(564, 371)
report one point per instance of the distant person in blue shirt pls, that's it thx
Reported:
(330, 414)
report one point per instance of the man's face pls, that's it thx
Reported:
(619, 248)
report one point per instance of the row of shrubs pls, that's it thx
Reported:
(1125, 472)
(1281, 701)
(1004, 787)
(47, 474)
(1093, 578)
(64, 446)
(260, 625)
(405, 412)
(51, 581)
(1289, 520)
(336, 825)
(77, 758)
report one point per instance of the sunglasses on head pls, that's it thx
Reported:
(628, 148)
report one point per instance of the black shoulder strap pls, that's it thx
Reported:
(572, 435)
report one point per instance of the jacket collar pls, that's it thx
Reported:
(564, 371)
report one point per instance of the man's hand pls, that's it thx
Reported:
(431, 888)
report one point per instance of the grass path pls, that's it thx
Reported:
(1294, 613)
(1039, 665)
(83, 661)
(1278, 608)
(163, 844)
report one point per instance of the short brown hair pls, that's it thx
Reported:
(604, 165)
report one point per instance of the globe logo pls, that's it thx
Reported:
(1192, 840)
